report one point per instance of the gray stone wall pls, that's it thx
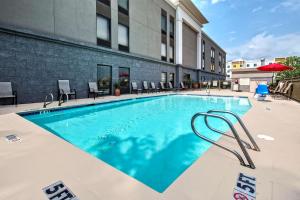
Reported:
(34, 64)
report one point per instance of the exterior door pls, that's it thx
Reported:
(172, 78)
(104, 75)
(124, 79)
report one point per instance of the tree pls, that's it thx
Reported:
(293, 61)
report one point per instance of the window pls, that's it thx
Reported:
(172, 31)
(255, 65)
(123, 38)
(163, 22)
(104, 78)
(123, 6)
(103, 31)
(124, 79)
(172, 78)
(171, 54)
(106, 2)
(203, 54)
(163, 77)
(228, 66)
(212, 54)
(248, 65)
(163, 51)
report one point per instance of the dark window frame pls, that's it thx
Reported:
(166, 81)
(102, 42)
(106, 2)
(164, 14)
(122, 47)
(173, 54)
(172, 21)
(123, 10)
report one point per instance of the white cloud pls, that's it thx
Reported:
(292, 5)
(268, 46)
(217, 1)
(257, 9)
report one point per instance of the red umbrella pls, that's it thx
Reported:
(275, 67)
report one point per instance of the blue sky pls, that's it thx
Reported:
(252, 29)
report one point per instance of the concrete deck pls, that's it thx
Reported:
(41, 159)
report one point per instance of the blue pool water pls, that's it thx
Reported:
(149, 139)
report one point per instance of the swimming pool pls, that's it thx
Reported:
(149, 139)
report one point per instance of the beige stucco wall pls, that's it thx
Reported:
(74, 19)
(189, 46)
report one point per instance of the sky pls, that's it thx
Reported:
(253, 29)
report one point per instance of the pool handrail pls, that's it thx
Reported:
(255, 146)
(239, 157)
(46, 103)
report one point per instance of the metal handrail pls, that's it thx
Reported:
(46, 98)
(208, 88)
(60, 100)
(246, 144)
(239, 157)
(255, 146)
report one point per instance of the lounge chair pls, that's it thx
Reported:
(146, 87)
(153, 87)
(6, 92)
(182, 87)
(286, 89)
(64, 89)
(278, 87)
(93, 90)
(134, 88)
(225, 84)
(171, 87)
(162, 86)
(215, 84)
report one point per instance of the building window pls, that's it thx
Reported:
(163, 77)
(203, 54)
(171, 54)
(248, 65)
(163, 51)
(123, 6)
(103, 31)
(172, 29)
(172, 78)
(163, 22)
(212, 54)
(255, 65)
(106, 2)
(123, 37)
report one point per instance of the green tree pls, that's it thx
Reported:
(293, 61)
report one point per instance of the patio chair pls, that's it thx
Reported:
(64, 89)
(162, 87)
(146, 87)
(215, 84)
(134, 88)
(171, 87)
(278, 87)
(153, 87)
(225, 84)
(182, 87)
(286, 89)
(93, 90)
(6, 92)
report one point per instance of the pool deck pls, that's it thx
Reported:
(41, 159)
